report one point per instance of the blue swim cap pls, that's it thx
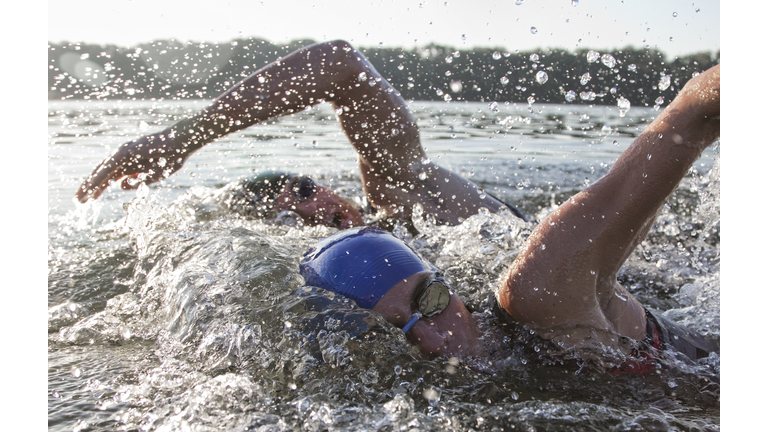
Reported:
(360, 263)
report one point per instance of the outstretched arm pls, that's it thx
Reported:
(565, 276)
(301, 79)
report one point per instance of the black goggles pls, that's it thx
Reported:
(431, 298)
(303, 188)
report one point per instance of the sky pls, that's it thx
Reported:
(672, 26)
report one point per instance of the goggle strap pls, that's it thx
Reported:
(416, 316)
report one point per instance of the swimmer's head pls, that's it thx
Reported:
(380, 272)
(274, 191)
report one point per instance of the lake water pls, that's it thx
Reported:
(166, 312)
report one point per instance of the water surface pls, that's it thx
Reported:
(166, 312)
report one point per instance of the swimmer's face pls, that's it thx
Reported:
(452, 332)
(316, 204)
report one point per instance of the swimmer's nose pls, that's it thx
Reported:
(344, 215)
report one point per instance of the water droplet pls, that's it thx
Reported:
(432, 395)
(362, 76)
(314, 143)
(608, 60)
(659, 100)
(519, 2)
(456, 86)
(570, 96)
(534, 30)
(606, 129)
(649, 156)
(439, 92)
(531, 100)
(543, 246)
(496, 55)
(76, 372)
(632, 67)
(125, 332)
(422, 175)
(624, 106)
(449, 59)
(585, 78)
(593, 56)
(541, 77)
(447, 98)
(587, 95)
(674, 14)
(534, 58)
(494, 107)
(665, 82)
(504, 80)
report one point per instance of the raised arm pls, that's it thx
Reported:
(565, 276)
(394, 169)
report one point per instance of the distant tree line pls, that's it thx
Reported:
(168, 69)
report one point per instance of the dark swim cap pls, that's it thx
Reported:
(255, 196)
(267, 184)
(360, 263)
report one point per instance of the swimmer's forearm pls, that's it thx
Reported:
(301, 79)
(206, 126)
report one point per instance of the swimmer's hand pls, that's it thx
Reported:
(146, 160)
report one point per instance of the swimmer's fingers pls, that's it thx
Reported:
(146, 160)
(99, 180)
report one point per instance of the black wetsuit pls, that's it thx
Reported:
(661, 333)
(672, 335)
